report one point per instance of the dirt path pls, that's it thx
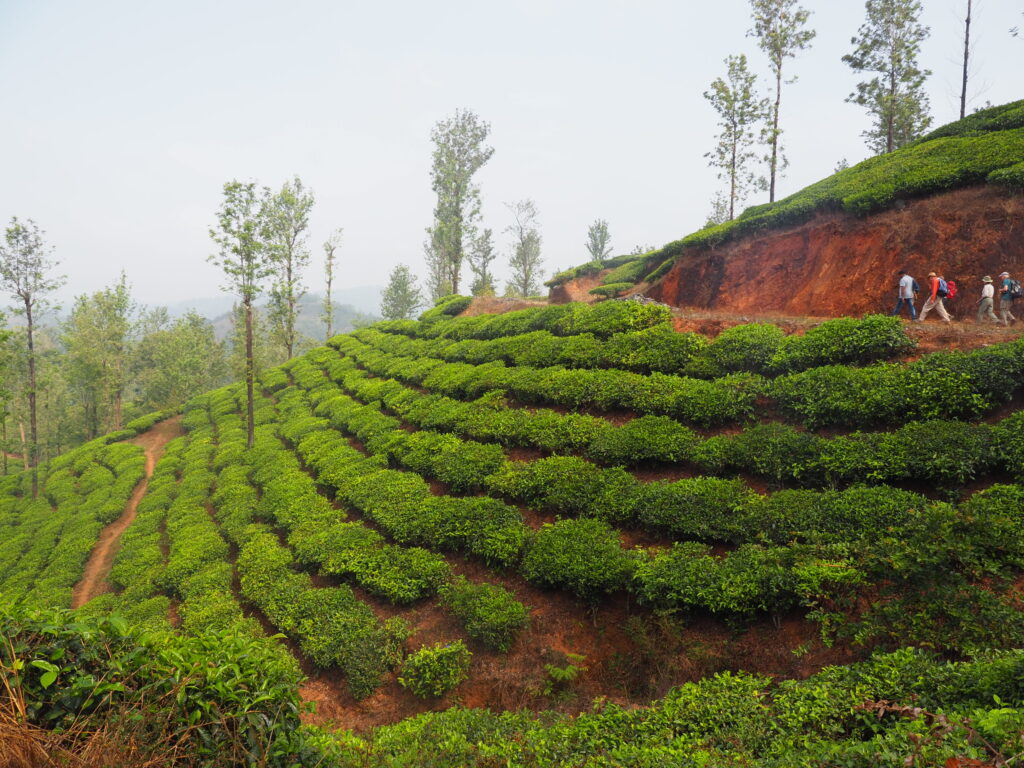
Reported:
(97, 568)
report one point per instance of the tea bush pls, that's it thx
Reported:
(583, 556)
(435, 670)
(490, 613)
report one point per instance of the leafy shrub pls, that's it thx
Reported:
(749, 348)
(1008, 444)
(567, 485)
(1012, 177)
(843, 340)
(584, 556)
(435, 670)
(752, 578)
(447, 306)
(611, 290)
(629, 272)
(212, 697)
(658, 348)
(647, 438)
(708, 508)
(490, 613)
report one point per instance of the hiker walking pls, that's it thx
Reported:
(936, 290)
(1008, 292)
(988, 291)
(905, 292)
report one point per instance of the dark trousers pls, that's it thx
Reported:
(909, 303)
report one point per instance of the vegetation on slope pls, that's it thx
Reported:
(987, 146)
(408, 515)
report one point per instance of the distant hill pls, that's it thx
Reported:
(362, 298)
(346, 318)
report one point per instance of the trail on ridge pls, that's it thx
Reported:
(97, 568)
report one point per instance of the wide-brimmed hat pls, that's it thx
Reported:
(1004, 274)
(931, 274)
(986, 279)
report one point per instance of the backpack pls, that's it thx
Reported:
(1016, 290)
(950, 289)
(915, 287)
(943, 291)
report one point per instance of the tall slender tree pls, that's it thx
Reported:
(779, 29)
(525, 260)
(331, 244)
(740, 110)
(26, 267)
(6, 394)
(967, 56)
(888, 44)
(480, 257)
(460, 151)
(599, 241)
(247, 263)
(286, 216)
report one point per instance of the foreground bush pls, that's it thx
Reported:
(218, 699)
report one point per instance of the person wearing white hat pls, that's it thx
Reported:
(985, 302)
(1006, 297)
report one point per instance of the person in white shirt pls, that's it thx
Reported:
(988, 292)
(905, 294)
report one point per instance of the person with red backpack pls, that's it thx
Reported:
(1009, 291)
(938, 288)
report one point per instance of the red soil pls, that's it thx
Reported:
(577, 290)
(496, 305)
(841, 264)
(97, 568)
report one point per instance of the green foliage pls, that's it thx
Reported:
(435, 670)
(629, 272)
(446, 306)
(584, 556)
(1012, 176)
(611, 290)
(752, 578)
(218, 697)
(490, 613)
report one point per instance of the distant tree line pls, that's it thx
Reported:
(67, 379)
(108, 360)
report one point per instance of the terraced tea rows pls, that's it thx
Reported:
(443, 482)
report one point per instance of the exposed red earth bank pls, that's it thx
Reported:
(840, 264)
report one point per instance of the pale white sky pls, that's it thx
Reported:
(123, 119)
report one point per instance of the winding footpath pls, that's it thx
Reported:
(97, 568)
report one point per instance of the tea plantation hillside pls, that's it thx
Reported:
(566, 535)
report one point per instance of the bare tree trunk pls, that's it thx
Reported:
(118, 410)
(249, 372)
(32, 456)
(289, 330)
(3, 438)
(732, 183)
(967, 53)
(330, 306)
(890, 135)
(775, 132)
(24, 446)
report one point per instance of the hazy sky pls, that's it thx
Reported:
(122, 120)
